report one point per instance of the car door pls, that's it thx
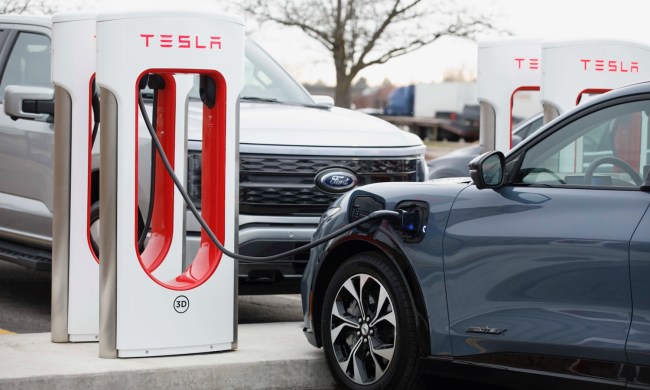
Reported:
(26, 146)
(638, 341)
(537, 271)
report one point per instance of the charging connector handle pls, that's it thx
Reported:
(380, 214)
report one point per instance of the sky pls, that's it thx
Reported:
(543, 19)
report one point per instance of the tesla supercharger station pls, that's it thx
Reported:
(505, 67)
(574, 70)
(75, 268)
(143, 313)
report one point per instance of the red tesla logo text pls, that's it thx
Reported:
(527, 63)
(167, 41)
(614, 66)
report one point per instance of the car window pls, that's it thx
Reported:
(529, 128)
(607, 148)
(28, 63)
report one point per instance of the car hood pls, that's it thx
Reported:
(394, 192)
(281, 124)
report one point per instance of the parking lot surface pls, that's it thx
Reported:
(25, 302)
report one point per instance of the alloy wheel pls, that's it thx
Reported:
(363, 329)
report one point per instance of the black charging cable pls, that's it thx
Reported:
(95, 108)
(155, 83)
(379, 214)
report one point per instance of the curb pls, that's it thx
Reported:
(280, 359)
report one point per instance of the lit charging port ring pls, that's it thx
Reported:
(213, 172)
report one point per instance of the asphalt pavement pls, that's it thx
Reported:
(25, 299)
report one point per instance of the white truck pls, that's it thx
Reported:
(290, 144)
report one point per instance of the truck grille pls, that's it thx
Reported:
(284, 185)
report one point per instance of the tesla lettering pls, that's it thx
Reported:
(527, 63)
(168, 41)
(613, 66)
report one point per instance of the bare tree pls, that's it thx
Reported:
(362, 33)
(26, 7)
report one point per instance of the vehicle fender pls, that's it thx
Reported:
(379, 242)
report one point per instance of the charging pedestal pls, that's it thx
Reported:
(75, 268)
(143, 313)
(574, 70)
(505, 67)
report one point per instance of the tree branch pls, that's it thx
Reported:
(355, 30)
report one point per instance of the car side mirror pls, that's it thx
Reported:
(323, 100)
(488, 170)
(29, 102)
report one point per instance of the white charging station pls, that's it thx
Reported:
(143, 312)
(575, 69)
(505, 67)
(75, 268)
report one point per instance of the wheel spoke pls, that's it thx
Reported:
(389, 317)
(383, 296)
(336, 312)
(379, 370)
(346, 362)
(349, 286)
(386, 353)
(362, 282)
(336, 331)
(360, 374)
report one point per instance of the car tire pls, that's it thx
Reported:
(368, 326)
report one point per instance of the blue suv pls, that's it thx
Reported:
(535, 272)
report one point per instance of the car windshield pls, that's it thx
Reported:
(265, 80)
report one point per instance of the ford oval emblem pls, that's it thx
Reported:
(336, 180)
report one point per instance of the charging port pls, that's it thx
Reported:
(413, 224)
